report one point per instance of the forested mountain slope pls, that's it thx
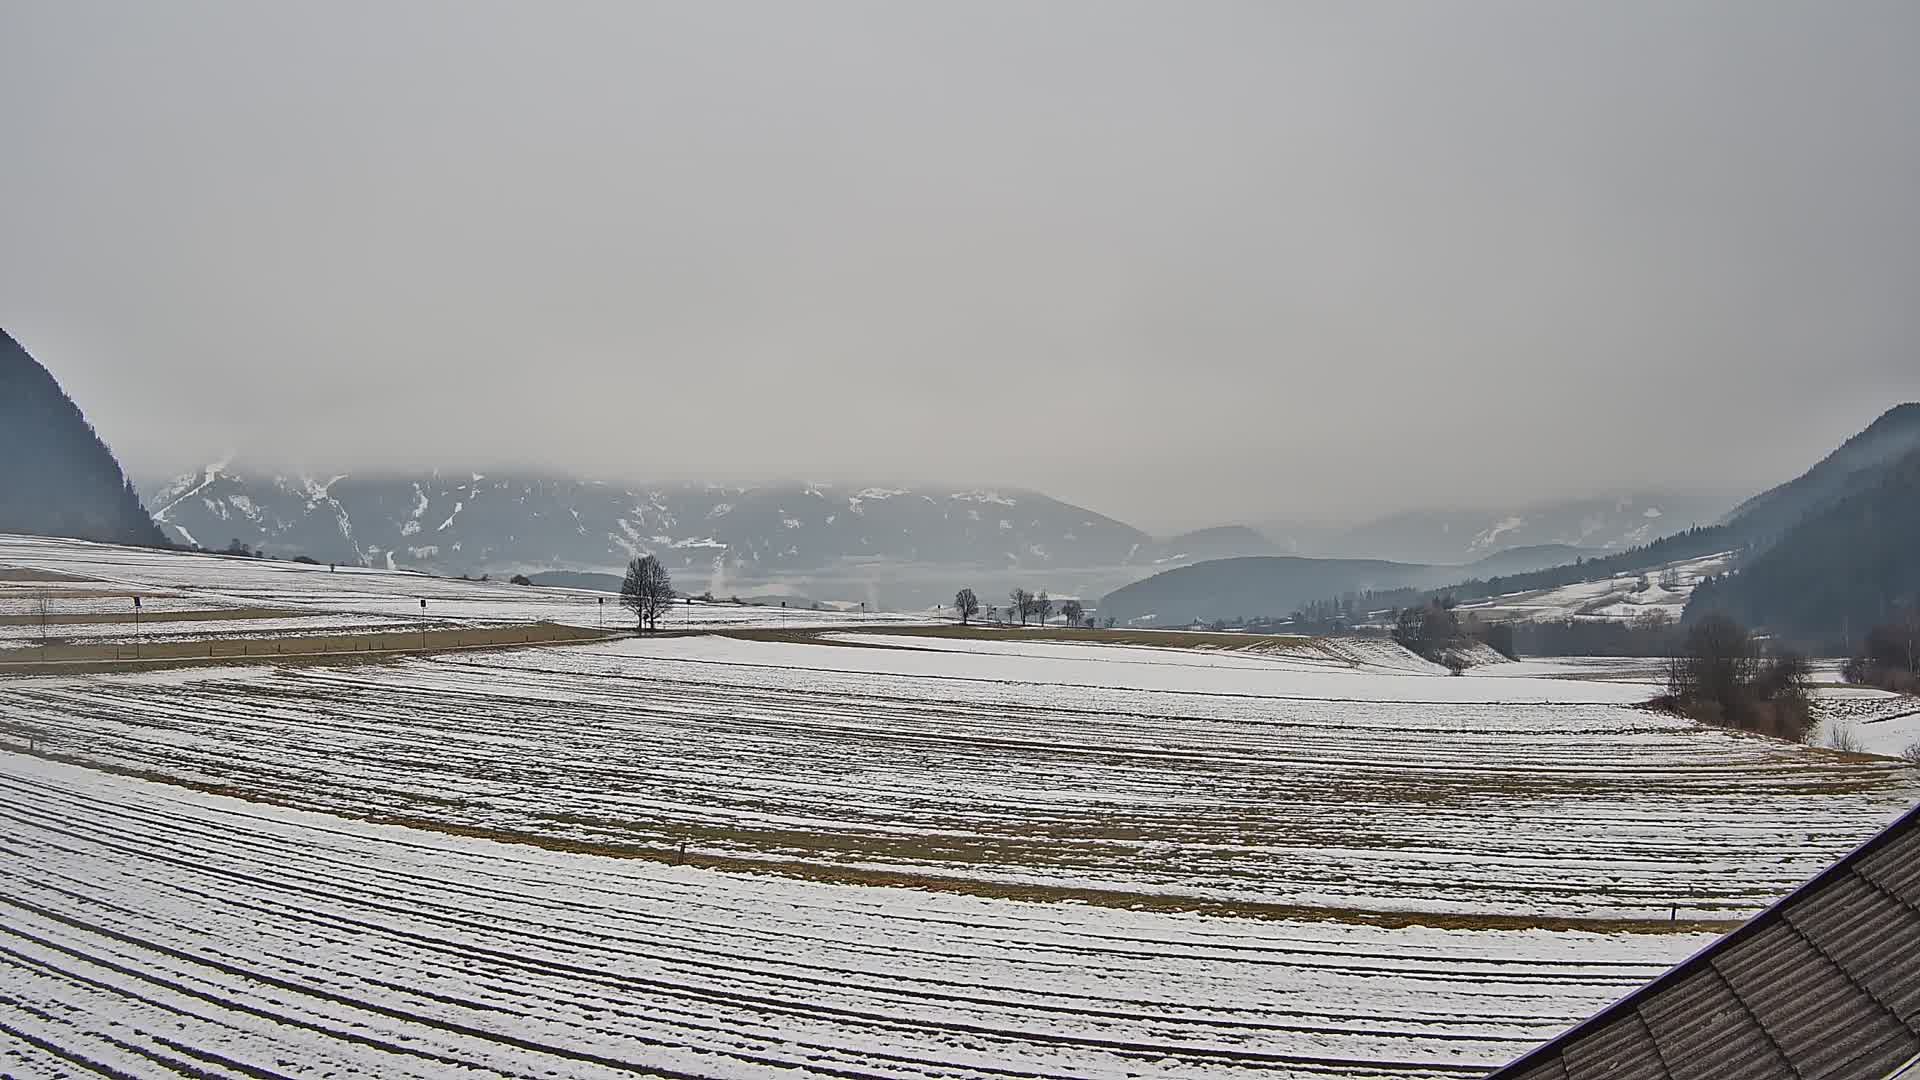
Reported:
(56, 477)
(1836, 572)
(1275, 586)
(1855, 466)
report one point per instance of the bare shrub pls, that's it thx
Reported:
(1716, 676)
(1705, 711)
(1911, 754)
(1841, 737)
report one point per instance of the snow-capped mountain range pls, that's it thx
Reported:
(1595, 526)
(728, 537)
(891, 546)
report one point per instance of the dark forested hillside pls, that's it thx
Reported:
(1853, 467)
(56, 477)
(1255, 586)
(1838, 571)
(1277, 586)
(1800, 504)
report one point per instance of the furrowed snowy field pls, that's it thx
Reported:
(153, 931)
(866, 853)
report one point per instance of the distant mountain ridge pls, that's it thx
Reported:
(57, 478)
(1834, 551)
(1219, 542)
(1594, 526)
(713, 535)
(1856, 466)
(1273, 586)
(1837, 546)
(1836, 572)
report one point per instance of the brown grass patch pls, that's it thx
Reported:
(95, 618)
(68, 659)
(1160, 639)
(22, 573)
(828, 873)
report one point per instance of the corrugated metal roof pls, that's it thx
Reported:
(1824, 985)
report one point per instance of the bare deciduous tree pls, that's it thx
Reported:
(1020, 602)
(1043, 606)
(966, 604)
(647, 591)
(1071, 611)
(1716, 662)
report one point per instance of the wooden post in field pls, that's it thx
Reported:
(136, 626)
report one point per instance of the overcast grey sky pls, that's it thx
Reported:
(1181, 262)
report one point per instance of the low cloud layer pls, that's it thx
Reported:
(1179, 262)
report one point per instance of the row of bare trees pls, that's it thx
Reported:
(1022, 605)
(647, 591)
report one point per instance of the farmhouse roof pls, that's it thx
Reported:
(1824, 985)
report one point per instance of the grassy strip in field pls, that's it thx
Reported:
(127, 617)
(1159, 639)
(823, 873)
(1058, 894)
(96, 591)
(89, 659)
(22, 573)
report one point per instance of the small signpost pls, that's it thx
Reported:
(136, 626)
(423, 624)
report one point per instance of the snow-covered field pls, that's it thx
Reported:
(1189, 777)
(206, 582)
(1872, 721)
(155, 931)
(858, 853)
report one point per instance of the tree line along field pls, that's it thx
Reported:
(854, 852)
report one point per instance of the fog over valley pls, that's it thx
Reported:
(1183, 265)
(960, 540)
